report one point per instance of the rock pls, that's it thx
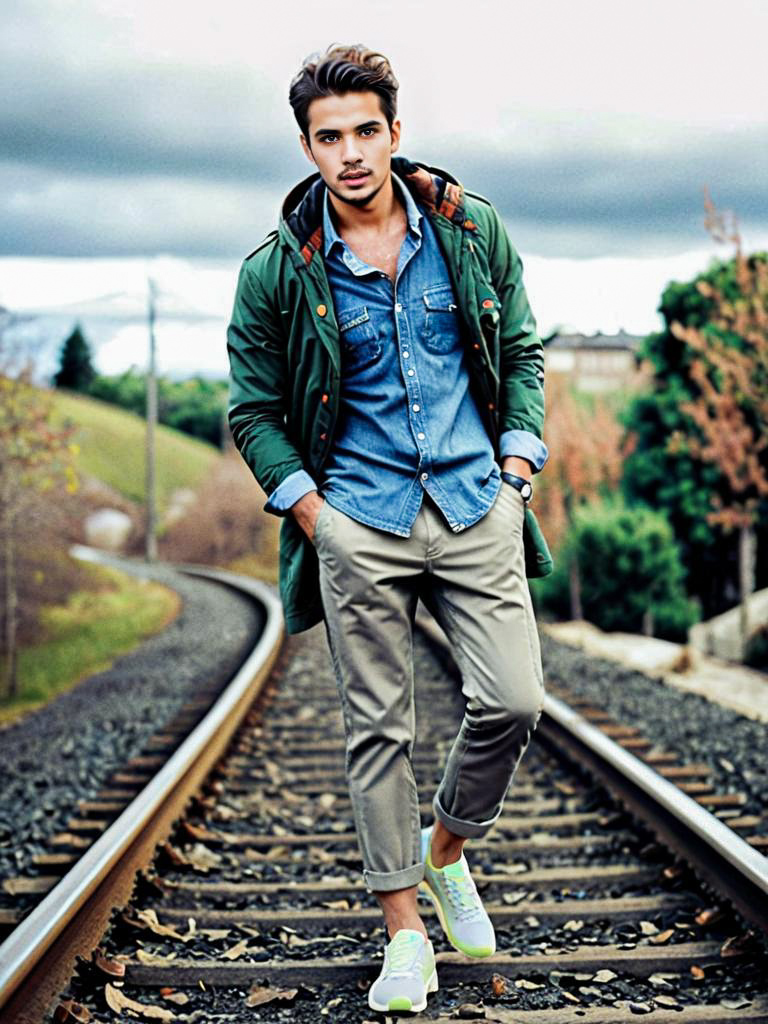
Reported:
(108, 529)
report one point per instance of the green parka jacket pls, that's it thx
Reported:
(285, 357)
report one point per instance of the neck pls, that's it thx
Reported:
(372, 216)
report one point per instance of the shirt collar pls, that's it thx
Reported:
(413, 213)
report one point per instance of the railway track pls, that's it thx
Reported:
(610, 887)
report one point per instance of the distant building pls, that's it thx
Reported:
(595, 362)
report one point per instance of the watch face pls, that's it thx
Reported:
(526, 490)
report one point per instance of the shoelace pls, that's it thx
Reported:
(402, 953)
(463, 896)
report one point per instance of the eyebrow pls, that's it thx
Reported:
(335, 131)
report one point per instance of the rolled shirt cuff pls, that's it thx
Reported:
(294, 487)
(526, 445)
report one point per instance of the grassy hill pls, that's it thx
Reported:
(112, 445)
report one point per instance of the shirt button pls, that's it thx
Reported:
(398, 307)
(421, 436)
(411, 373)
(424, 476)
(406, 354)
(416, 407)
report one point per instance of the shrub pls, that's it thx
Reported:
(629, 563)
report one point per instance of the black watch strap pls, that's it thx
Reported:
(524, 486)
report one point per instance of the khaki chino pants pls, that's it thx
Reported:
(474, 584)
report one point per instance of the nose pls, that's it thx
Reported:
(350, 153)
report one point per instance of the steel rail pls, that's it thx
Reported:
(733, 867)
(24, 948)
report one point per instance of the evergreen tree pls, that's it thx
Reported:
(75, 371)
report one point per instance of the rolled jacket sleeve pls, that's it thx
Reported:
(258, 385)
(291, 490)
(526, 445)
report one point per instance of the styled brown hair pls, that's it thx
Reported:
(339, 70)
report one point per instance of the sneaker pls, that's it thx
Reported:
(408, 974)
(457, 902)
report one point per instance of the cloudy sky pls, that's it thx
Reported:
(158, 137)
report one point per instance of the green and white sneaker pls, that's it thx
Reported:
(408, 974)
(457, 902)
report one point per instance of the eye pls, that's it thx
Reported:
(330, 138)
(372, 131)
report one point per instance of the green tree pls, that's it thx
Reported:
(36, 458)
(76, 370)
(666, 473)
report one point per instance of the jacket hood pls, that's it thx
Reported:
(301, 218)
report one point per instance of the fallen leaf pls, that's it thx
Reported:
(180, 998)
(235, 951)
(666, 1000)
(736, 945)
(498, 985)
(664, 936)
(118, 1001)
(511, 898)
(215, 933)
(260, 994)
(201, 858)
(148, 919)
(524, 983)
(709, 915)
(152, 959)
(573, 926)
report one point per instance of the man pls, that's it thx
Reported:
(387, 393)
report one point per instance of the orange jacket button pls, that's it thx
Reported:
(490, 405)
(487, 303)
(322, 309)
(325, 399)
(323, 437)
(476, 344)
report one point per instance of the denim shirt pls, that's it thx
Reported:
(407, 420)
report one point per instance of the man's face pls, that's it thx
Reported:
(351, 144)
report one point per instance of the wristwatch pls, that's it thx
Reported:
(524, 486)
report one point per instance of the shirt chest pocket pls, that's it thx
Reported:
(360, 344)
(441, 322)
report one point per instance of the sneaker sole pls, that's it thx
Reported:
(403, 1002)
(478, 953)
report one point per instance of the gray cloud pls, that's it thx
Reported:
(117, 158)
(561, 203)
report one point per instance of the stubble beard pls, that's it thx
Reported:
(354, 201)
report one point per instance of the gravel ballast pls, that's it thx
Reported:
(66, 751)
(690, 725)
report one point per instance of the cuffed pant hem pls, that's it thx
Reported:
(386, 881)
(459, 827)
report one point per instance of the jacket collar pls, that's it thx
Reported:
(301, 220)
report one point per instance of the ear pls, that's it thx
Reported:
(307, 150)
(395, 133)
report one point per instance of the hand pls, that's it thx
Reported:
(306, 510)
(517, 464)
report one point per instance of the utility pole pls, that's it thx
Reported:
(151, 481)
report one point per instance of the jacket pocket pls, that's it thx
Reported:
(441, 322)
(360, 345)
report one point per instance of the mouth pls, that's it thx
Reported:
(357, 178)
